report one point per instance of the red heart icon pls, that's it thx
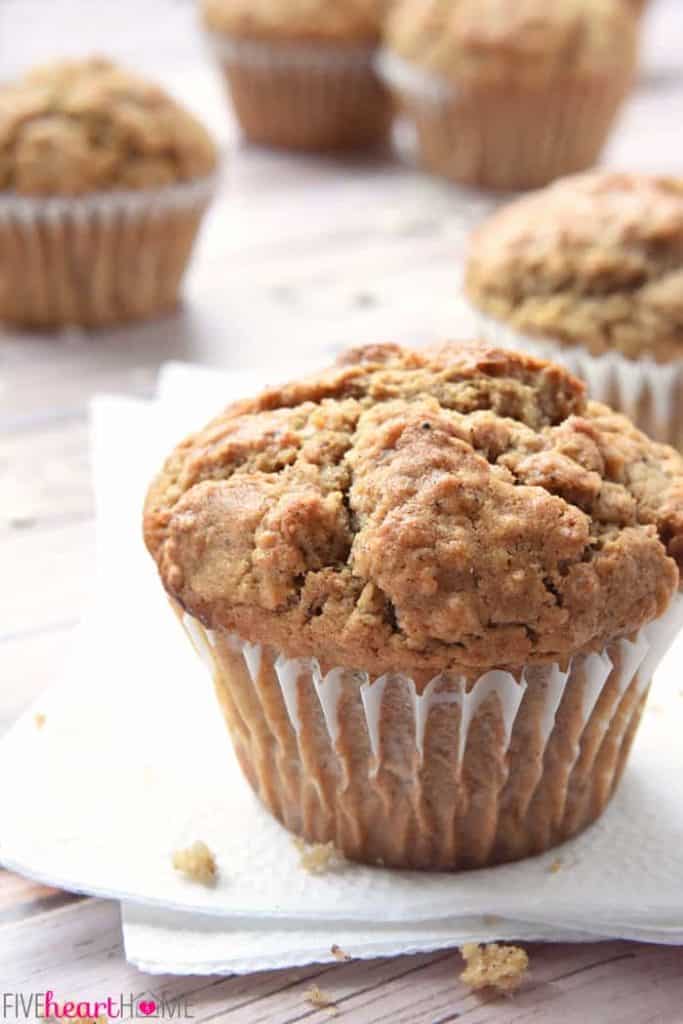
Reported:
(147, 1008)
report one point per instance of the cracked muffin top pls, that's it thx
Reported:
(594, 260)
(530, 39)
(344, 21)
(454, 508)
(75, 127)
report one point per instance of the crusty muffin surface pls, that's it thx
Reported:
(455, 508)
(594, 260)
(530, 40)
(77, 127)
(343, 21)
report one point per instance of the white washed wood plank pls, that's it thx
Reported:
(51, 572)
(45, 477)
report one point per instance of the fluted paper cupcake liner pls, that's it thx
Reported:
(649, 393)
(318, 96)
(506, 135)
(461, 774)
(96, 260)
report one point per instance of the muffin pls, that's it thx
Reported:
(434, 586)
(509, 95)
(300, 72)
(590, 271)
(103, 183)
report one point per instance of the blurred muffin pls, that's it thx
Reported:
(103, 183)
(300, 72)
(590, 271)
(510, 95)
(434, 586)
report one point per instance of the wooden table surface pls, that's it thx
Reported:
(299, 257)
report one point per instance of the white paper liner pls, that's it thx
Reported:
(129, 202)
(98, 260)
(639, 656)
(319, 56)
(648, 392)
(403, 76)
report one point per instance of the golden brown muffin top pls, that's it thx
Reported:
(343, 21)
(455, 508)
(529, 39)
(76, 127)
(594, 260)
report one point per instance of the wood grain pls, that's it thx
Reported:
(75, 949)
(299, 257)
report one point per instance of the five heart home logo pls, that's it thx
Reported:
(47, 1006)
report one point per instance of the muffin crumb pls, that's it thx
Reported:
(317, 858)
(555, 866)
(501, 968)
(40, 719)
(316, 997)
(339, 954)
(196, 862)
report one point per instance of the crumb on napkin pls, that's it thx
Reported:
(501, 968)
(196, 862)
(338, 953)
(555, 866)
(316, 997)
(40, 719)
(316, 858)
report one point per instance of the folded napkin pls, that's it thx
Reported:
(132, 762)
(169, 942)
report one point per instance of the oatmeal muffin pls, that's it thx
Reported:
(300, 72)
(103, 183)
(510, 95)
(434, 586)
(590, 271)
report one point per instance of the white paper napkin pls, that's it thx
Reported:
(168, 942)
(133, 761)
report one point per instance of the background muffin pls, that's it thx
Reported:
(103, 182)
(300, 72)
(434, 586)
(510, 95)
(590, 271)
